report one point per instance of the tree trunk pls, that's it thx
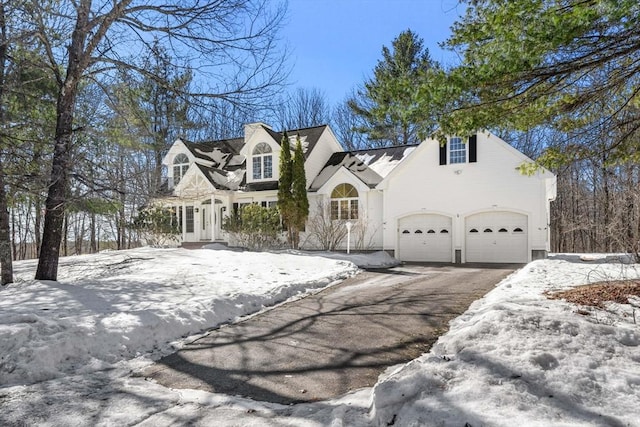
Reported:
(37, 223)
(57, 196)
(59, 182)
(93, 248)
(6, 260)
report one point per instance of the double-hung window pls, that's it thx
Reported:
(457, 151)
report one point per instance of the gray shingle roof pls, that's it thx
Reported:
(221, 152)
(369, 166)
(309, 136)
(223, 179)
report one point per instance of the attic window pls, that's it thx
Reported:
(344, 202)
(262, 161)
(180, 167)
(457, 151)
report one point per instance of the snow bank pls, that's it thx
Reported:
(115, 306)
(516, 357)
(373, 260)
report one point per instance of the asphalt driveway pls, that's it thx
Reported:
(333, 342)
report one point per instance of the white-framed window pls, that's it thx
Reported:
(262, 160)
(344, 202)
(189, 212)
(457, 150)
(180, 167)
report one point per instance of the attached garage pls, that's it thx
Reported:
(425, 238)
(496, 237)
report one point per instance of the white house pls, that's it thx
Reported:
(465, 201)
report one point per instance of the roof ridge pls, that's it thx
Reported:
(304, 128)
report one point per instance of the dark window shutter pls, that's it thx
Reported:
(443, 154)
(473, 149)
(234, 208)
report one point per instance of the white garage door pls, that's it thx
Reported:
(425, 237)
(496, 237)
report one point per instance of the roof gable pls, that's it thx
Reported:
(309, 137)
(369, 166)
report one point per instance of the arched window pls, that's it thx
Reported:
(180, 167)
(344, 202)
(262, 161)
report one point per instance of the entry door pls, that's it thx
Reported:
(205, 221)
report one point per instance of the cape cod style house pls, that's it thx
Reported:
(465, 201)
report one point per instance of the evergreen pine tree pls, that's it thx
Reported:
(285, 197)
(299, 193)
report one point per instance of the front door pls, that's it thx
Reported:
(205, 222)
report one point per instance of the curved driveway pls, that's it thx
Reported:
(332, 342)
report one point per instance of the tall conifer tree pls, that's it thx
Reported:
(299, 193)
(284, 184)
(387, 103)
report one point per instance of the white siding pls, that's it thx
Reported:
(420, 184)
(367, 230)
(258, 135)
(324, 148)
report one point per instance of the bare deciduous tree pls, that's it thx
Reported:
(322, 231)
(229, 44)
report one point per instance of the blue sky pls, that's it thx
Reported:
(335, 44)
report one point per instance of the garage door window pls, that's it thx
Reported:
(344, 202)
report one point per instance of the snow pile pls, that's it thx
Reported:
(114, 306)
(379, 259)
(516, 357)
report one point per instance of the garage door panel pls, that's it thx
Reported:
(425, 238)
(496, 237)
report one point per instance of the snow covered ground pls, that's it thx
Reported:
(70, 350)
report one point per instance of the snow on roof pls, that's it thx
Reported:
(223, 179)
(384, 161)
(370, 166)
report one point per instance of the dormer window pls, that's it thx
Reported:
(180, 167)
(262, 161)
